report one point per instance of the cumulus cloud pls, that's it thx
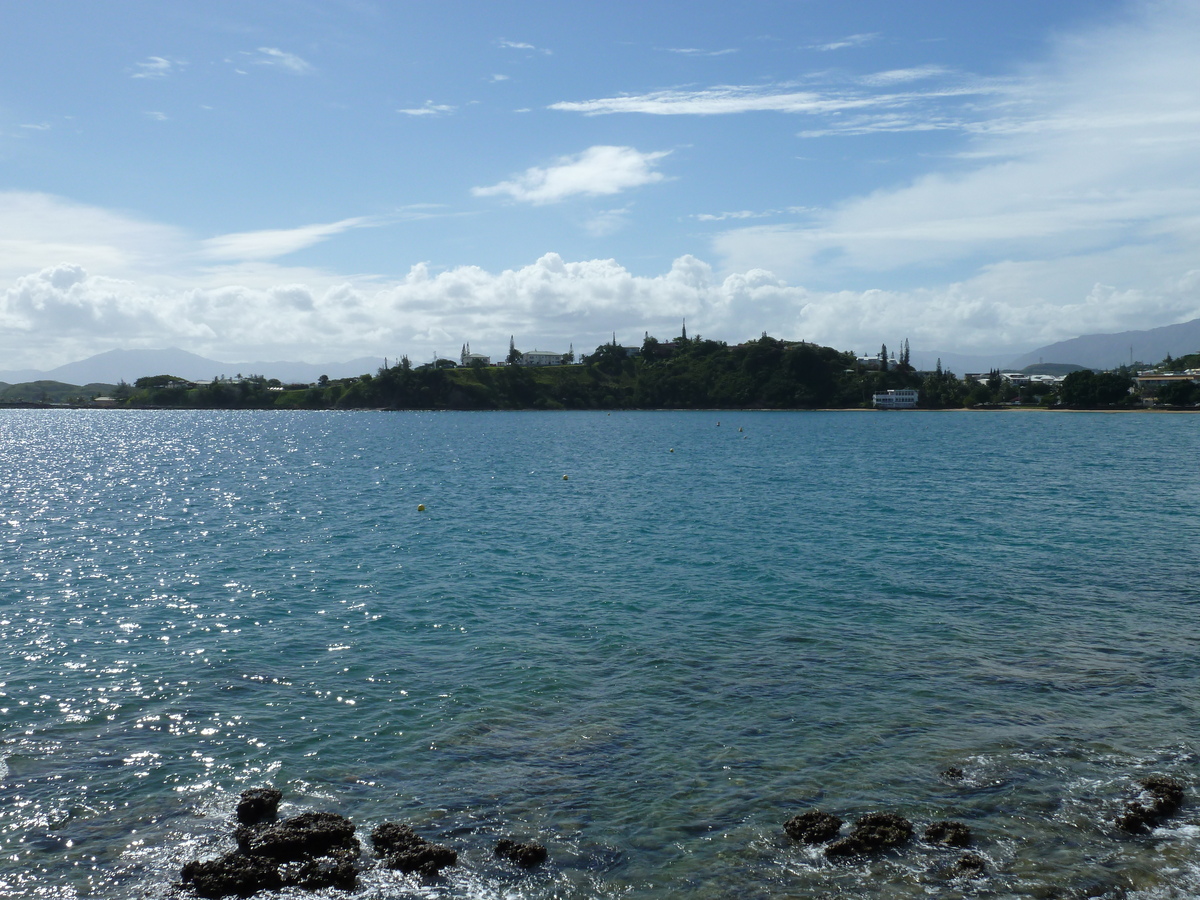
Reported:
(281, 59)
(597, 171)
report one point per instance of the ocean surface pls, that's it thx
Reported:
(645, 639)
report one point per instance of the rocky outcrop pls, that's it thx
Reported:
(403, 849)
(233, 874)
(969, 865)
(873, 833)
(311, 851)
(300, 838)
(949, 834)
(258, 805)
(812, 827)
(524, 855)
(1160, 799)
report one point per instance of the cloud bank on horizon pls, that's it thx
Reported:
(286, 188)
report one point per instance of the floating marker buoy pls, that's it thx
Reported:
(564, 478)
(420, 507)
(739, 429)
(672, 449)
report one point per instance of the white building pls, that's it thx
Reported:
(468, 357)
(541, 358)
(904, 398)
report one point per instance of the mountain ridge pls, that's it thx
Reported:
(113, 366)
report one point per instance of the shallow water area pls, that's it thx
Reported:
(649, 665)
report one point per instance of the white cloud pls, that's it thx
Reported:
(280, 59)
(156, 116)
(722, 100)
(696, 51)
(271, 243)
(853, 40)
(1090, 153)
(901, 76)
(429, 109)
(40, 126)
(63, 312)
(607, 222)
(598, 171)
(157, 67)
(517, 45)
(497, 78)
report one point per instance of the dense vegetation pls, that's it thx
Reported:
(686, 373)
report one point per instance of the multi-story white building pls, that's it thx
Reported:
(903, 398)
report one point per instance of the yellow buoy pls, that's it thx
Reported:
(420, 507)
(672, 449)
(564, 478)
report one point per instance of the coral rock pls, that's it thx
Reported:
(952, 834)
(404, 849)
(258, 805)
(232, 874)
(524, 855)
(873, 833)
(813, 827)
(299, 838)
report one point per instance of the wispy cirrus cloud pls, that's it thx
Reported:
(519, 45)
(1080, 179)
(716, 101)
(157, 67)
(272, 243)
(597, 171)
(275, 58)
(696, 51)
(429, 109)
(903, 76)
(852, 40)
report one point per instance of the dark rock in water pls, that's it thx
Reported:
(524, 855)
(258, 805)
(952, 834)
(1165, 796)
(969, 865)
(812, 827)
(299, 838)
(873, 833)
(336, 870)
(404, 849)
(953, 773)
(232, 874)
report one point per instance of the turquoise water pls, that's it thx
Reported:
(649, 666)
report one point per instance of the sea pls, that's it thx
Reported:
(643, 639)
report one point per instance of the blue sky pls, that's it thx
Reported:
(323, 180)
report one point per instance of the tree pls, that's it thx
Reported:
(323, 381)
(883, 359)
(514, 355)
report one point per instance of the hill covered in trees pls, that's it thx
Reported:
(682, 374)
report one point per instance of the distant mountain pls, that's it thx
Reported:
(130, 365)
(960, 363)
(1107, 351)
(51, 392)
